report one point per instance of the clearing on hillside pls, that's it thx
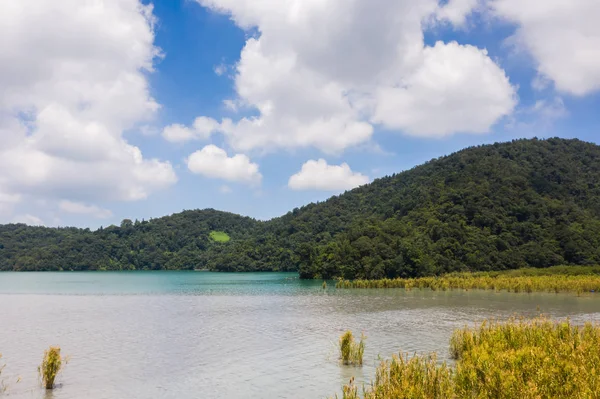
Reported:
(219, 236)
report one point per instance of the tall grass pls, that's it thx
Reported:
(499, 282)
(351, 352)
(528, 359)
(514, 360)
(52, 364)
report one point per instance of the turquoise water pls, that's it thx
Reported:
(154, 283)
(187, 335)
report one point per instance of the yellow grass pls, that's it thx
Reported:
(51, 365)
(544, 283)
(515, 360)
(351, 352)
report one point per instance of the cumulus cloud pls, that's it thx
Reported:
(73, 79)
(31, 220)
(457, 11)
(213, 162)
(318, 175)
(84, 209)
(563, 37)
(321, 73)
(202, 128)
(438, 98)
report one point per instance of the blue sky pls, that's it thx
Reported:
(121, 109)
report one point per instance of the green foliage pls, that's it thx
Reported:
(351, 352)
(219, 236)
(526, 203)
(518, 359)
(50, 367)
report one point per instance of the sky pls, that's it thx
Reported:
(114, 109)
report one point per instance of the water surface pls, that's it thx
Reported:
(185, 335)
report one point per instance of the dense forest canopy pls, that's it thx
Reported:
(493, 207)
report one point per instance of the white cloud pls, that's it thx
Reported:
(318, 175)
(220, 69)
(73, 79)
(562, 36)
(440, 97)
(315, 72)
(28, 219)
(538, 117)
(202, 129)
(84, 209)
(457, 11)
(213, 162)
(149, 131)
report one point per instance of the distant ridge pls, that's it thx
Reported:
(492, 207)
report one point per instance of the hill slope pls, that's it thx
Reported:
(523, 203)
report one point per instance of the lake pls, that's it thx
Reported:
(185, 335)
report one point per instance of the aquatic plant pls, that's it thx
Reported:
(528, 359)
(524, 359)
(52, 364)
(351, 352)
(578, 283)
(324, 285)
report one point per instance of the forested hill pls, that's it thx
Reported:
(180, 241)
(523, 203)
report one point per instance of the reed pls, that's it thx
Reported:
(519, 359)
(52, 364)
(580, 283)
(324, 285)
(351, 352)
(528, 359)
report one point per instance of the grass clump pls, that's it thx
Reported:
(576, 283)
(351, 352)
(52, 364)
(528, 359)
(324, 285)
(518, 359)
(219, 236)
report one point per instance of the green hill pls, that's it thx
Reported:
(494, 207)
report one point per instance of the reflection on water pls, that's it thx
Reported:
(189, 335)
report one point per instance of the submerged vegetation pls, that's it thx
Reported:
(52, 364)
(518, 359)
(351, 352)
(504, 206)
(582, 280)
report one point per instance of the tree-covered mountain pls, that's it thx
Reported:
(509, 205)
